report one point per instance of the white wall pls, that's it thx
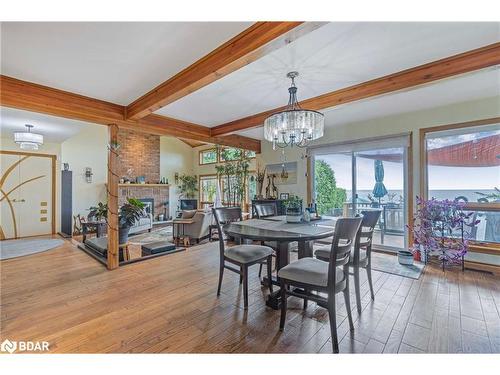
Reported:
(87, 149)
(7, 144)
(397, 124)
(175, 156)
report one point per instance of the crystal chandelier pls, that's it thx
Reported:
(28, 140)
(293, 126)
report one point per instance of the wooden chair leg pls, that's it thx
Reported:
(305, 299)
(241, 275)
(221, 273)
(283, 305)
(269, 266)
(369, 275)
(332, 314)
(357, 288)
(245, 287)
(260, 270)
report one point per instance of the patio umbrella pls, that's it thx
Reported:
(379, 189)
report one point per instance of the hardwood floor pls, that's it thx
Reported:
(168, 304)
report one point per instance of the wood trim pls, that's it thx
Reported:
(466, 62)
(423, 156)
(53, 171)
(485, 248)
(28, 96)
(257, 41)
(482, 267)
(192, 143)
(208, 149)
(112, 191)
(411, 196)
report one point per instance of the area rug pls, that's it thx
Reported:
(19, 248)
(389, 264)
(161, 234)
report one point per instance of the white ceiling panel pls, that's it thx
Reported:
(473, 86)
(54, 129)
(113, 61)
(335, 56)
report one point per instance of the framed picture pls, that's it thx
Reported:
(286, 173)
(284, 196)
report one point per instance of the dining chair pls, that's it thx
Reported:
(263, 210)
(361, 252)
(330, 278)
(243, 256)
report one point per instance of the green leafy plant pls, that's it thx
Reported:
(235, 174)
(130, 212)
(328, 195)
(99, 212)
(293, 203)
(188, 186)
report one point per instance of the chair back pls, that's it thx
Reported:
(265, 210)
(343, 240)
(365, 232)
(224, 216)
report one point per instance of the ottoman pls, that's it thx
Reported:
(157, 247)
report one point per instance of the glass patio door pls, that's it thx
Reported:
(352, 178)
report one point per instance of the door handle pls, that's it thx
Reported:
(20, 200)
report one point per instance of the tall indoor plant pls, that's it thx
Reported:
(442, 229)
(188, 186)
(128, 214)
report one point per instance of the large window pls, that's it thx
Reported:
(230, 154)
(208, 189)
(372, 175)
(208, 156)
(463, 164)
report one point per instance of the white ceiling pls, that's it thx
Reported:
(335, 56)
(54, 129)
(482, 84)
(113, 61)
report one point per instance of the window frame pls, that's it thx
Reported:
(475, 246)
(200, 152)
(424, 168)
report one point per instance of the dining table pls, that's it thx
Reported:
(277, 229)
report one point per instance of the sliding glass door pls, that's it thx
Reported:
(352, 178)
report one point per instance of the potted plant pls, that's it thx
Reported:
(99, 212)
(293, 207)
(128, 214)
(442, 229)
(188, 186)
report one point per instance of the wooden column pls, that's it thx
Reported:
(112, 189)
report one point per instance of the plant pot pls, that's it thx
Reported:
(293, 216)
(123, 235)
(405, 257)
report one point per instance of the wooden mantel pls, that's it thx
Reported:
(142, 185)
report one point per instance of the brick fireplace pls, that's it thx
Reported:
(139, 155)
(158, 193)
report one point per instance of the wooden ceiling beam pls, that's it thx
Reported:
(18, 94)
(458, 64)
(253, 43)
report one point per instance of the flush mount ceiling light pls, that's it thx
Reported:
(293, 126)
(28, 140)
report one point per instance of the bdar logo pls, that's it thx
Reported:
(8, 346)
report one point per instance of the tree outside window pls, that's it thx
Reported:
(328, 195)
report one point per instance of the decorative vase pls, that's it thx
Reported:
(293, 215)
(405, 257)
(123, 235)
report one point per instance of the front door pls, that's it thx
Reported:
(26, 205)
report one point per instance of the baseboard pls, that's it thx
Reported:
(477, 266)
